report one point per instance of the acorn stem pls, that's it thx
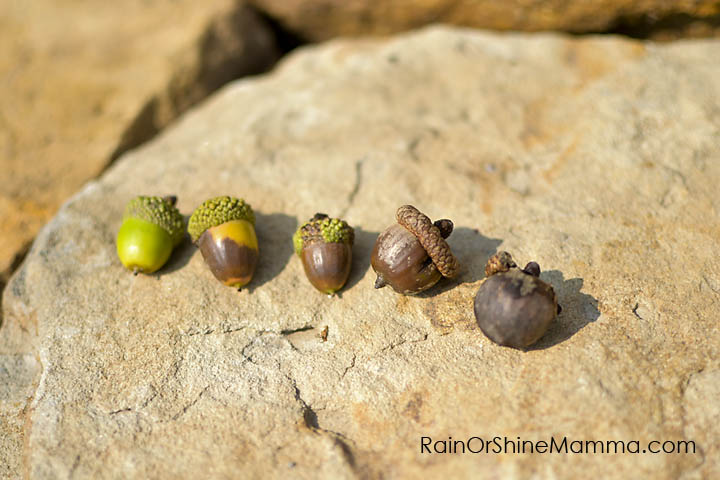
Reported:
(171, 199)
(498, 263)
(533, 269)
(379, 282)
(445, 226)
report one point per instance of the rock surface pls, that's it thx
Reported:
(84, 81)
(323, 19)
(597, 157)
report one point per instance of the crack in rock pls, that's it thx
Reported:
(347, 369)
(207, 330)
(710, 285)
(75, 465)
(635, 311)
(122, 410)
(392, 346)
(296, 330)
(310, 420)
(356, 187)
(191, 404)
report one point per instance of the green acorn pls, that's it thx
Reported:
(151, 228)
(324, 245)
(223, 228)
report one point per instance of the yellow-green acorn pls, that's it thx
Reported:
(224, 230)
(324, 245)
(151, 228)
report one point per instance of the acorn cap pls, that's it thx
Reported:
(430, 237)
(158, 211)
(322, 228)
(498, 263)
(217, 211)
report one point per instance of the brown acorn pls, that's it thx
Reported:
(412, 255)
(513, 307)
(224, 230)
(324, 246)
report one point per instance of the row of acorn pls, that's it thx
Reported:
(513, 307)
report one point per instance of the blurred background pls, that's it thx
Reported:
(84, 81)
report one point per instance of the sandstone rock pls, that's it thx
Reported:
(84, 81)
(597, 157)
(323, 19)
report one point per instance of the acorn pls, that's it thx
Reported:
(223, 228)
(412, 255)
(513, 307)
(324, 246)
(151, 228)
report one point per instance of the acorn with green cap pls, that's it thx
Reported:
(224, 230)
(324, 246)
(151, 228)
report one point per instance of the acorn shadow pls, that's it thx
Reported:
(274, 232)
(472, 250)
(578, 309)
(362, 248)
(180, 256)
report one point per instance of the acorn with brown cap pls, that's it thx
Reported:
(412, 255)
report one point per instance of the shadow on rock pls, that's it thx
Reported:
(274, 232)
(578, 309)
(362, 248)
(180, 256)
(472, 249)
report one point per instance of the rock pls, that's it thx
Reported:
(323, 19)
(596, 157)
(85, 81)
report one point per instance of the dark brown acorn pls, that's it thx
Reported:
(224, 230)
(412, 255)
(324, 246)
(513, 307)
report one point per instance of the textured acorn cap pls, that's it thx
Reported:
(498, 263)
(217, 211)
(430, 237)
(322, 228)
(159, 211)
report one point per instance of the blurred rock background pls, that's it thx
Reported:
(658, 19)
